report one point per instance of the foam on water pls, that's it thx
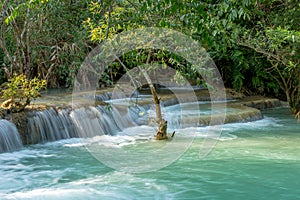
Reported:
(259, 124)
(144, 133)
(249, 161)
(97, 187)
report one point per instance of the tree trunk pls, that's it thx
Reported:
(161, 133)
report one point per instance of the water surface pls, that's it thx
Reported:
(254, 160)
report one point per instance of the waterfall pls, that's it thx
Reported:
(50, 125)
(95, 121)
(87, 122)
(9, 137)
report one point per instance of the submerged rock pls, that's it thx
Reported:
(261, 103)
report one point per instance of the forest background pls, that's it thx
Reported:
(254, 43)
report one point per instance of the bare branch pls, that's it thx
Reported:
(127, 72)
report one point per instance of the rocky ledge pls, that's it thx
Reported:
(245, 109)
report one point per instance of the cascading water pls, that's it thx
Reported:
(9, 137)
(95, 121)
(254, 160)
(57, 124)
(51, 125)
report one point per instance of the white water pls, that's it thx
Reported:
(52, 125)
(9, 137)
(253, 160)
(97, 121)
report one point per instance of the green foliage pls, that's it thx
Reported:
(215, 25)
(64, 51)
(255, 44)
(20, 91)
(44, 39)
(275, 40)
(21, 7)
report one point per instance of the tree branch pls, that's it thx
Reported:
(127, 72)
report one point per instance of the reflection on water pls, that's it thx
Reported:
(254, 160)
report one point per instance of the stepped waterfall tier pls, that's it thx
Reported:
(52, 125)
(95, 121)
(9, 137)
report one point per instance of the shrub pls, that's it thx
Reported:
(20, 91)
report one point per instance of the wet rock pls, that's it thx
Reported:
(20, 120)
(232, 94)
(263, 103)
